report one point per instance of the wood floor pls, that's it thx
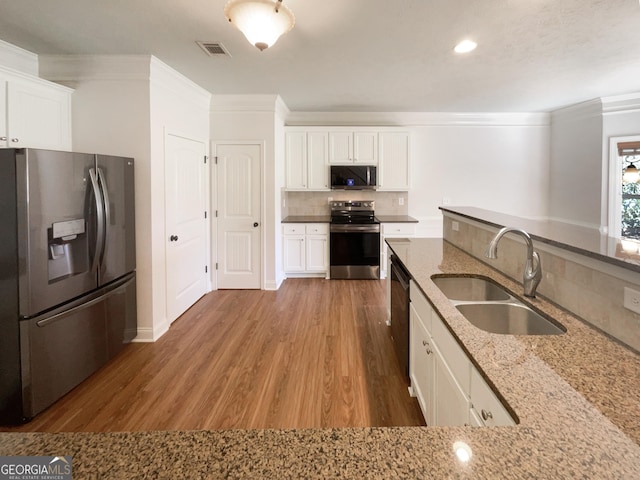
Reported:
(314, 354)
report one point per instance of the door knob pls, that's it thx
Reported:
(255, 224)
(173, 238)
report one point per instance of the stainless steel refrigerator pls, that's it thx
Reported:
(67, 272)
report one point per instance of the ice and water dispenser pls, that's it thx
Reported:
(68, 254)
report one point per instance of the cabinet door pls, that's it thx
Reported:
(318, 160)
(421, 365)
(393, 171)
(365, 148)
(451, 404)
(317, 259)
(296, 160)
(39, 116)
(294, 253)
(340, 147)
(486, 404)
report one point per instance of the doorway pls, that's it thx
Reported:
(238, 206)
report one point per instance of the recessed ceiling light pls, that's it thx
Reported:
(465, 46)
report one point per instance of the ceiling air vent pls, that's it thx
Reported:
(213, 49)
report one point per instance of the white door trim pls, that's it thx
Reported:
(614, 195)
(214, 207)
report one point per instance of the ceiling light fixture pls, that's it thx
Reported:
(465, 46)
(261, 21)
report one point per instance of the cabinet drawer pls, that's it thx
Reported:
(456, 358)
(486, 404)
(408, 229)
(421, 306)
(317, 229)
(293, 228)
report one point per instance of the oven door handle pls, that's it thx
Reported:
(354, 228)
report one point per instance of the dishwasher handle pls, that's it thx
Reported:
(400, 273)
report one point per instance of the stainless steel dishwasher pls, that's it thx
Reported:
(400, 313)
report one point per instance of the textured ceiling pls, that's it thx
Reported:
(365, 55)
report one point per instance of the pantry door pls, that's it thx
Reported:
(185, 223)
(239, 219)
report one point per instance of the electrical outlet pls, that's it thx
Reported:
(400, 200)
(330, 199)
(632, 299)
(446, 201)
(455, 226)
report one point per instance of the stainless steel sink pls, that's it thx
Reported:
(508, 318)
(470, 289)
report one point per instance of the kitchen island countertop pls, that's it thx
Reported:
(576, 397)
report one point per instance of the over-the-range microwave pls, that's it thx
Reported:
(353, 177)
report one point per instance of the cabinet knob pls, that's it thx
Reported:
(486, 415)
(255, 224)
(428, 351)
(3, 139)
(15, 140)
(424, 343)
(173, 238)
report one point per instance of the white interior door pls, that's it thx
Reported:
(239, 215)
(185, 223)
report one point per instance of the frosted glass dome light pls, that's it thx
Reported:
(261, 21)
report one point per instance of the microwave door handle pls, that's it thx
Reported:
(368, 176)
(99, 217)
(107, 211)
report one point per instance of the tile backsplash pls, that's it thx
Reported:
(589, 288)
(317, 203)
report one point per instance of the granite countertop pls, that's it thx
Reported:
(576, 238)
(576, 396)
(306, 219)
(396, 219)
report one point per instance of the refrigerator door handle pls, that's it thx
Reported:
(101, 298)
(107, 211)
(100, 218)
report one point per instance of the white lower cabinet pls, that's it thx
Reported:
(392, 230)
(449, 389)
(485, 405)
(306, 249)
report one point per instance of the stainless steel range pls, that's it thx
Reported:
(354, 240)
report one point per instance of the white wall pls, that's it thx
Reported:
(121, 106)
(502, 168)
(576, 164)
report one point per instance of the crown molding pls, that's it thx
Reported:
(166, 77)
(621, 103)
(248, 103)
(417, 119)
(70, 68)
(19, 59)
(583, 110)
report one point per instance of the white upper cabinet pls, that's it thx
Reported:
(296, 160)
(393, 162)
(317, 161)
(34, 113)
(306, 160)
(347, 146)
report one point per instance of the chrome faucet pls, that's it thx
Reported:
(532, 269)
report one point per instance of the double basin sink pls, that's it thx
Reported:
(493, 309)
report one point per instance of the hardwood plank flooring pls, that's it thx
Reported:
(314, 354)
